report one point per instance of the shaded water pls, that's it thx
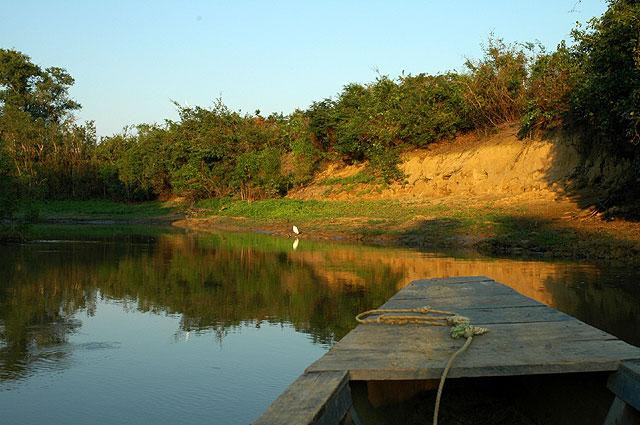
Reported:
(171, 327)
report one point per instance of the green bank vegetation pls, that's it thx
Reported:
(447, 228)
(304, 211)
(103, 209)
(589, 87)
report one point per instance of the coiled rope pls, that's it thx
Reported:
(460, 327)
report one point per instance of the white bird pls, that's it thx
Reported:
(295, 230)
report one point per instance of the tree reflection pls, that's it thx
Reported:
(219, 283)
(215, 283)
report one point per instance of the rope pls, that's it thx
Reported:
(445, 372)
(460, 327)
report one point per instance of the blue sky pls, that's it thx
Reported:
(129, 58)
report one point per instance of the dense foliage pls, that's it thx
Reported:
(606, 100)
(591, 86)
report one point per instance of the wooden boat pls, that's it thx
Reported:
(536, 365)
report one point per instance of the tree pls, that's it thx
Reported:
(50, 153)
(607, 100)
(8, 193)
(43, 94)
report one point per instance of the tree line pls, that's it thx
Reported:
(589, 87)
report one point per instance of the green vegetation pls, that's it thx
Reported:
(437, 227)
(501, 231)
(96, 232)
(358, 178)
(590, 87)
(300, 211)
(104, 209)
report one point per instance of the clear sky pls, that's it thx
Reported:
(130, 57)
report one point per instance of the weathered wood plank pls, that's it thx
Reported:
(436, 291)
(491, 315)
(390, 337)
(314, 398)
(375, 365)
(525, 337)
(450, 280)
(471, 301)
(625, 383)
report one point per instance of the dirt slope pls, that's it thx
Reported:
(498, 168)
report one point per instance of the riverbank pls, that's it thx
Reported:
(108, 212)
(535, 230)
(542, 230)
(60, 219)
(494, 194)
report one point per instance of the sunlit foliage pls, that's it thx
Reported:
(589, 87)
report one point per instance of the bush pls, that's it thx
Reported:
(257, 175)
(431, 108)
(304, 154)
(494, 87)
(552, 80)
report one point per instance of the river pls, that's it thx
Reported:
(167, 326)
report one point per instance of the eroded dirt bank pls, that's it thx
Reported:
(496, 194)
(497, 167)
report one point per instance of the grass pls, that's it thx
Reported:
(32, 218)
(413, 224)
(349, 183)
(126, 219)
(308, 210)
(103, 209)
(510, 232)
(358, 178)
(93, 232)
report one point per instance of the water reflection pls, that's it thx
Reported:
(223, 284)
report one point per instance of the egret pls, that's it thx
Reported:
(295, 230)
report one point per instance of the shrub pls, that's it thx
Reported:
(304, 153)
(553, 77)
(431, 108)
(494, 87)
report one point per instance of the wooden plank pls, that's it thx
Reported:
(525, 337)
(492, 315)
(404, 365)
(455, 303)
(419, 352)
(621, 413)
(314, 398)
(625, 383)
(451, 280)
(436, 291)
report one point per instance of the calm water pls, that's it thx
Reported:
(172, 327)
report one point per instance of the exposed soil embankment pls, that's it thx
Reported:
(499, 167)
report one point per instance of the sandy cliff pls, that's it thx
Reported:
(499, 167)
